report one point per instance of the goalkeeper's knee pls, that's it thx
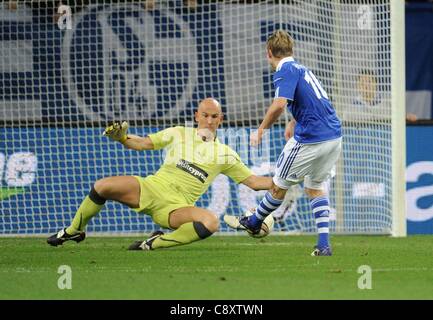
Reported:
(95, 196)
(211, 224)
(202, 231)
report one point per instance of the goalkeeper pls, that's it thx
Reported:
(193, 160)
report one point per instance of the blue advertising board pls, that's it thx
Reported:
(419, 178)
(46, 172)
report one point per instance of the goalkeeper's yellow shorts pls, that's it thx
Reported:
(159, 199)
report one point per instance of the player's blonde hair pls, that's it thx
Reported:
(280, 43)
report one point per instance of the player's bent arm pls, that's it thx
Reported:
(258, 182)
(138, 143)
(273, 113)
(290, 129)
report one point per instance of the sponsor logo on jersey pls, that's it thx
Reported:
(193, 170)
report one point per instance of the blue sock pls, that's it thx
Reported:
(320, 206)
(265, 208)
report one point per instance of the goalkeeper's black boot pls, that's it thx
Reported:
(146, 244)
(61, 236)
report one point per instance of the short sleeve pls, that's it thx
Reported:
(285, 84)
(163, 138)
(237, 170)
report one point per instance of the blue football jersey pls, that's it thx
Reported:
(316, 119)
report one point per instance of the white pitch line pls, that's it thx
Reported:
(211, 269)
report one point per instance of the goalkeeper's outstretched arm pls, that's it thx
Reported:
(258, 182)
(118, 132)
(137, 143)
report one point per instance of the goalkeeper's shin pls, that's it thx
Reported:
(90, 206)
(186, 233)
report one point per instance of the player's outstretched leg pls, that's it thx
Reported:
(320, 205)
(62, 236)
(146, 244)
(270, 202)
(124, 189)
(191, 224)
(90, 206)
(241, 223)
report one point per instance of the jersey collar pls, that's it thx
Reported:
(282, 61)
(216, 140)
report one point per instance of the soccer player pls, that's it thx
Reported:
(193, 160)
(311, 153)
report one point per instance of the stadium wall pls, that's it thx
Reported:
(419, 64)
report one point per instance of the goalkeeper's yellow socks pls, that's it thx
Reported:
(90, 207)
(186, 233)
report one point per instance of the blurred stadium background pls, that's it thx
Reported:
(150, 62)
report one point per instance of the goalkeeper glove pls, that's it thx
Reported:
(117, 131)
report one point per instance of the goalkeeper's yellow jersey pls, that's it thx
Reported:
(191, 164)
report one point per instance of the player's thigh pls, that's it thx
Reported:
(324, 165)
(124, 189)
(290, 149)
(194, 214)
(293, 164)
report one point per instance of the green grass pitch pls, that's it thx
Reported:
(233, 267)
